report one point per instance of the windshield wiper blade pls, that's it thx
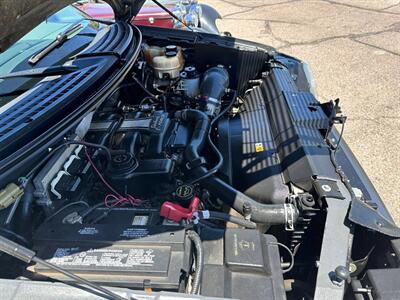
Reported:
(27, 255)
(42, 72)
(60, 39)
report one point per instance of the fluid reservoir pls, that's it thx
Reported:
(190, 81)
(168, 66)
(152, 51)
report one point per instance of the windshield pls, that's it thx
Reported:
(16, 57)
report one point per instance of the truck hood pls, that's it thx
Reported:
(22, 16)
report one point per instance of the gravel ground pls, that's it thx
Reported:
(353, 48)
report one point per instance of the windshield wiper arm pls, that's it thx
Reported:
(42, 72)
(27, 255)
(60, 39)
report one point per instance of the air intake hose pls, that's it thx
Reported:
(272, 214)
(212, 88)
(201, 125)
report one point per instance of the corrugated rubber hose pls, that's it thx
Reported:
(195, 238)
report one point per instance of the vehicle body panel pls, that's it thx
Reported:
(302, 152)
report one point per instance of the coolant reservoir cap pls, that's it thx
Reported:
(191, 71)
(170, 53)
(171, 48)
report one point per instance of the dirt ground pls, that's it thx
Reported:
(353, 48)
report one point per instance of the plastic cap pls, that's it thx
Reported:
(170, 53)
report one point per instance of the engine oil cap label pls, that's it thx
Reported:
(184, 191)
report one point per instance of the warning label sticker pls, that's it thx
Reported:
(88, 231)
(117, 259)
(259, 147)
(135, 233)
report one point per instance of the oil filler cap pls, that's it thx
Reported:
(184, 192)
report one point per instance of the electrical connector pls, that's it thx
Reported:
(9, 195)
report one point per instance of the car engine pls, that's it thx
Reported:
(186, 179)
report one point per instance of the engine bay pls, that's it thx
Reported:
(119, 204)
(128, 205)
(206, 171)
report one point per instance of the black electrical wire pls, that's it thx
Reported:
(206, 224)
(143, 87)
(66, 143)
(213, 146)
(64, 208)
(340, 136)
(120, 88)
(6, 231)
(145, 99)
(94, 207)
(196, 240)
(342, 175)
(290, 254)
(92, 145)
(232, 219)
(338, 170)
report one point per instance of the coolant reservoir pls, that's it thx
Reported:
(152, 51)
(169, 65)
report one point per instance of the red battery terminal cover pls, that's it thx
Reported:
(175, 212)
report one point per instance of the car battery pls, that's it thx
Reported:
(127, 247)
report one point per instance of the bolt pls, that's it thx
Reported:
(246, 210)
(340, 275)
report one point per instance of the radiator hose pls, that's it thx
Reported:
(272, 214)
(212, 88)
(201, 124)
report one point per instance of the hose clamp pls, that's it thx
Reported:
(289, 216)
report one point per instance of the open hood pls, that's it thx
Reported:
(19, 17)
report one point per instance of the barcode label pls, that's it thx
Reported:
(140, 220)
